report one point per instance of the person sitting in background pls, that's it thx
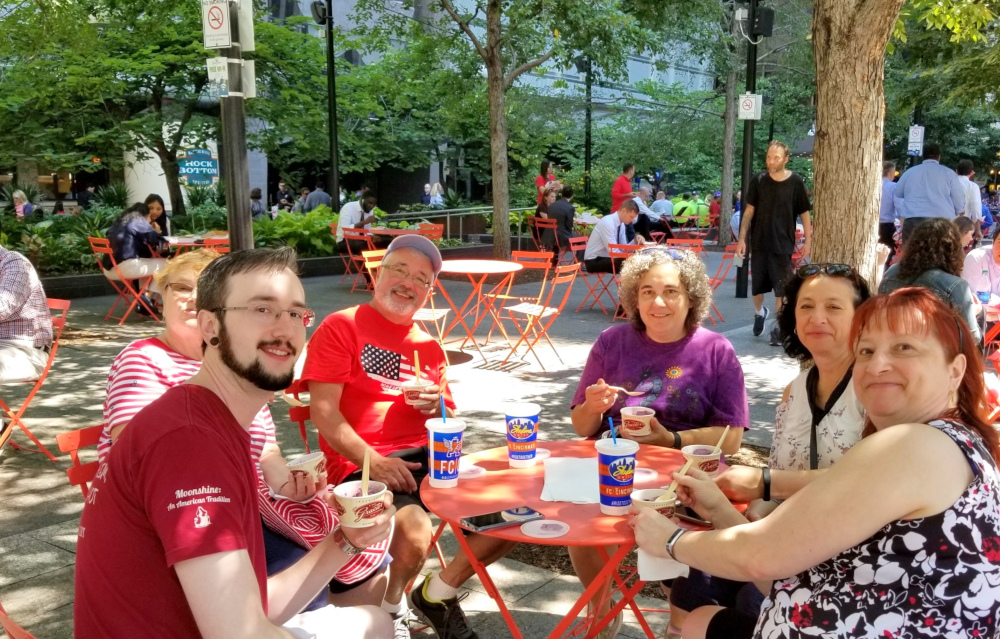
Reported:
(648, 220)
(155, 212)
(982, 272)
(967, 232)
(25, 321)
(688, 375)
(136, 247)
(22, 206)
(85, 198)
(59, 208)
(547, 239)
(934, 259)
(663, 207)
(563, 212)
(300, 204)
(876, 545)
(818, 420)
(610, 229)
(437, 194)
(356, 214)
(295, 515)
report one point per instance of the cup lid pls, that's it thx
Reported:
(545, 528)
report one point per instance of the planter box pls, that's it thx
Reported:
(70, 287)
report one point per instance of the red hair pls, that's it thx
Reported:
(916, 310)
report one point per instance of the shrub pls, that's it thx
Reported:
(31, 191)
(309, 234)
(115, 195)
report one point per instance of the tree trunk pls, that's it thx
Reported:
(849, 41)
(172, 172)
(728, 155)
(498, 132)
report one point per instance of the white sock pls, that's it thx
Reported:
(762, 311)
(392, 609)
(438, 590)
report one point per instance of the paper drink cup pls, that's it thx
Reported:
(635, 419)
(444, 451)
(356, 511)
(647, 499)
(313, 464)
(522, 434)
(413, 389)
(703, 458)
(616, 470)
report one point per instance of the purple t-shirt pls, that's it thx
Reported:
(692, 383)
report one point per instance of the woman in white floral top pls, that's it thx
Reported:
(820, 300)
(901, 538)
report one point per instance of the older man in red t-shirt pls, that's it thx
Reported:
(356, 364)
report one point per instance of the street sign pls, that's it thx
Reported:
(916, 145)
(198, 167)
(246, 26)
(249, 79)
(749, 106)
(215, 24)
(218, 77)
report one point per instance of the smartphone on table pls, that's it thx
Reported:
(684, 513)
(500, 519)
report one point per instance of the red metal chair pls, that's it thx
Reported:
(358, 261)
(720, 277)
(122, 285)
(543, 224)
(60, 307)
(695, 246)
(529, 221)
(343, 258)
(80, 474)
(13, 630)
(537, 260)
(599, 288)
(433, 232)
(619, 252)
(538, 317)
(658, 236)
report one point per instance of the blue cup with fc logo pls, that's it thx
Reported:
(616, 473)
(522, 433)
(444, 451)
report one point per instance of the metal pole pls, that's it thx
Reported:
(587, 139)
(235, 172)
(331, 86)
(747, 173)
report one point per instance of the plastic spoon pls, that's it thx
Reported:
(364, 472)
(673, 485)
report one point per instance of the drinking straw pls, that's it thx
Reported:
(364, 472)
(416, 360)
(718, 447)
(444, 414)
(611, 425)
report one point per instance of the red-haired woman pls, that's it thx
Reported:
(903, 533)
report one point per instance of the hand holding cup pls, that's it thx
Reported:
(301, 487)
(698, 491)
(429, 402)
(652, 530)
(658, 435)
(365, 537)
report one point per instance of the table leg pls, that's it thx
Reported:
(484, 577)
(461, 313)
(488, 304)
(628, 596)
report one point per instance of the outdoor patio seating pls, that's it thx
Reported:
(80, 474)
(127, 293)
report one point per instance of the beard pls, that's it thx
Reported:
(395, 304)
(254, 372)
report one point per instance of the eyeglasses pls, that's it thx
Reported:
(265, 314)
(403, 274)
(184, 292)
(837, 270)
(677, 254)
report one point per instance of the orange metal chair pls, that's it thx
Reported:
(658, 236)
(537, 260)
(433, 232)
(60, 308)
(695, 246)
(720, 277)
(620, 251)
(217, 244)
(13, 630)
(543, 224)
(80, 474)
(343, 258)
(437, 317)
(122, 285)
(358, 261)
(539, 317)
(599, 288)
(373, 262)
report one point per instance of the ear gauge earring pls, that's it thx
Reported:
(214, 341)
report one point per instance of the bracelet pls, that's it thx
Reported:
(677, 440)
(673, 541)
(766, 475)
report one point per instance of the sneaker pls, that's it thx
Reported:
(445, 618)
(401, 624)
(775, 335)
(758, 322)
(614, 627)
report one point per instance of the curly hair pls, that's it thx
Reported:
(692, 275)
(786, 318)
(936, 243)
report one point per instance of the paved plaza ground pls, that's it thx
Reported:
(41, 511)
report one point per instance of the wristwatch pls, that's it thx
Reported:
(673, 540)
(345, 545)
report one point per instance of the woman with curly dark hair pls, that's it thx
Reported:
(933, 258)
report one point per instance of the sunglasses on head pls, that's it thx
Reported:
(677, 254)
(837, 270)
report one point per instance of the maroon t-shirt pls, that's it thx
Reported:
(178, 484)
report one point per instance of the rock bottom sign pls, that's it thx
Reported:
(198, 167)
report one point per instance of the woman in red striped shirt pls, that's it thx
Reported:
(296, 517)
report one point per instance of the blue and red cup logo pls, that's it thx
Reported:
(522, 433)
(444, 455)
(616, 474)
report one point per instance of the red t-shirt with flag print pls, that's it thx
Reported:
(372, 357)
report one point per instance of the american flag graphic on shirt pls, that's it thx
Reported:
(386, 367)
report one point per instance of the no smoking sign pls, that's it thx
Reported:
(749, 106)
(215, 24)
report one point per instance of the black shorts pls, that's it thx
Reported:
(769, 272)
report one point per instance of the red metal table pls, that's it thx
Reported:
(395, 232)
(503, 487)
(184, 243)
(477, 303)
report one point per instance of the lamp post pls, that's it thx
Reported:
(323, 15)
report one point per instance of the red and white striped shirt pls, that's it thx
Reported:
(145, 369)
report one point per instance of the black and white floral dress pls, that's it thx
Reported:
(937, 576)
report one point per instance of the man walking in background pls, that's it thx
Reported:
(775, 198)
(317, 197)
(929, 190)
(973, 198)
(887, 212)
(622, 192)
